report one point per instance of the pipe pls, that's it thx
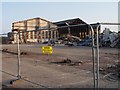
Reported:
(18, 56)
(97, 57)
(93, 54)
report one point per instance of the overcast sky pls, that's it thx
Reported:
(90, 12)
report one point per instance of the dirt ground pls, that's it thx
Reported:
(51, 71)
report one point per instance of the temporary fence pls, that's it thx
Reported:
(95, 46)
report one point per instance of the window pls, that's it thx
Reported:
(31, 35)
(53, 34)
(46, 34)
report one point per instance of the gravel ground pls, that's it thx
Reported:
(47, 71)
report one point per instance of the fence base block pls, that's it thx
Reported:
(18, 81)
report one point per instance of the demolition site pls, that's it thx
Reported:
(66, 54)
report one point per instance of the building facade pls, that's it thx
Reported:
(34, 30)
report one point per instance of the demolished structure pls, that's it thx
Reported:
(40, 30)
(108, 38)
(36, 34)
(75, 34)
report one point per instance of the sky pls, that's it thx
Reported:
(90, 12)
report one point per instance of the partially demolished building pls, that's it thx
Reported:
(36, 34)
(79, 31)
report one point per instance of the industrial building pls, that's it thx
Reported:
(34, 25)
(78, 31)
(42, 30)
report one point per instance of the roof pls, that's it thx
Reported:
(32, 19)
(70, 22)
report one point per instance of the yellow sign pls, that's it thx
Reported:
(47, 50)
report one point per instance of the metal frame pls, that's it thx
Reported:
(95, 50)
(18, 56)
(96, 72)
(68, 26)
(97, 56)
(94, 53)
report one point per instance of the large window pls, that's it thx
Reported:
(31, 35)
(42, 34)
(46, 34)
(53, 34)
(35, 33)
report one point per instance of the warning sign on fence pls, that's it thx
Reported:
(47, 50)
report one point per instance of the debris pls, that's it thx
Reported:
(69, 62)
(23, 53)
(86, 42)
(101, 69)
(12, 52)
(106, 39)
(75, 63)
(4, 50)
(111, 77)
(69, 43)
(109, 38)
(111, 72)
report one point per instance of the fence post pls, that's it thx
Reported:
(18, 56)
(97, 56)
(93, 54)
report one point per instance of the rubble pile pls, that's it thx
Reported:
(106, 39)
(109, 39)
(86, 42)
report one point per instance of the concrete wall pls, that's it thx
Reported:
(19, 25)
